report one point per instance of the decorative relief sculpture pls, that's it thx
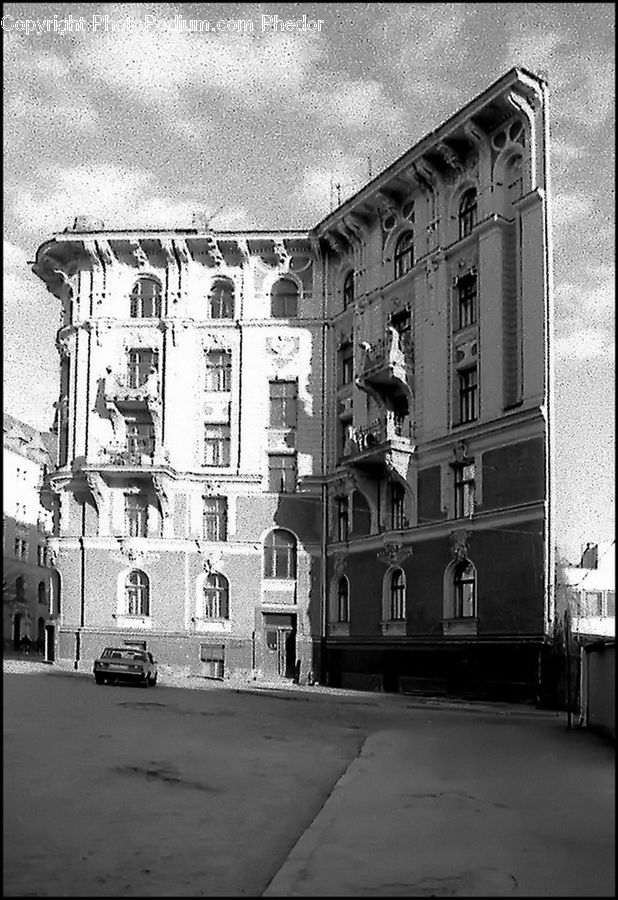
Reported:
(394, 554)
(282, 349)
(459, 545)
(138, 254)
(461, 451)
(340, 563)
(164, 502)
(281, 254)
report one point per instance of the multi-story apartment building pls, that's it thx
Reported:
(320, 452)
(588, 592)
(27, 575)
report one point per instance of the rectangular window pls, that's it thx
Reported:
(218, 370)
(466, 289)
(398, 519)
(343, 519)
(281, 473)
(345, 437)
(217, 445)
(464, 490)
(468, 396)
(283, 404)
(21, 548)
(592, 604)
(215, 519)
(135, 515)
(346, 364)
(140, 438)
(41, 555)
(610, 603)
(213, 657)
(141, 362)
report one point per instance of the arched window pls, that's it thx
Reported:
(404, 254)
(280, 555)
(146, 299)
(397, 596)
(137, 594)
(284, 299)
(348, 289)
(216, 597)
(19, 589)
(464, 593)
(221, 299)
(42, 593)
(467, 213)
(343, 600)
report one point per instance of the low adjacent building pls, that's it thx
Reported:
(27, 575)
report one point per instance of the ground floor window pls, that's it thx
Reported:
(137, 594)
(212, 656)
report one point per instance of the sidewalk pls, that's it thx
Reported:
(19, 663)
(419, 815)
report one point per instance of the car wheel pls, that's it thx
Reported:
(146, 682)
(153, 681)
(98, 679)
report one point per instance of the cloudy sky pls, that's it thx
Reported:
(142, 126)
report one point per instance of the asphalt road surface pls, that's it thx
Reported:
(126, 792)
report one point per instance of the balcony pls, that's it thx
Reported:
(121, 457)
(120, 391)
(387, 366)
(375, 446)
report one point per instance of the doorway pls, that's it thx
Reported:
(279, 645)
(16, 631)
(50, 641)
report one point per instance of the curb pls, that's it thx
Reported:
(301, 693)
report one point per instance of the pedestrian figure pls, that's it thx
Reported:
(25, 644)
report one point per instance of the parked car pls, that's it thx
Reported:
(125, 664)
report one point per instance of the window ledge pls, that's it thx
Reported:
(339, 629)
(467, 625)
(212, 625)
(125, 621)
(279, 584)
(394, 626)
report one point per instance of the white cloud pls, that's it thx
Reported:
(586, 343)
(25, 109)
(354, 106)
(568, 207)
(119, 196)
(17, 278)
(163, 63)
(318, 192)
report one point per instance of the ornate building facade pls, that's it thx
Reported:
(325, 453)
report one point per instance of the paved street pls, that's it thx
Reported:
(120, 791)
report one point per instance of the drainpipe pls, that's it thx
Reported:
(82, 591)
(324, 489)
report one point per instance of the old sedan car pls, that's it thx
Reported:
(127, 664)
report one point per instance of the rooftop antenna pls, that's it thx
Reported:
(331, 195)
(209, 219)
(338, 186)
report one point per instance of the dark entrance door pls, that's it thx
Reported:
(16, 631)
(279, 644)
(49, 643)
